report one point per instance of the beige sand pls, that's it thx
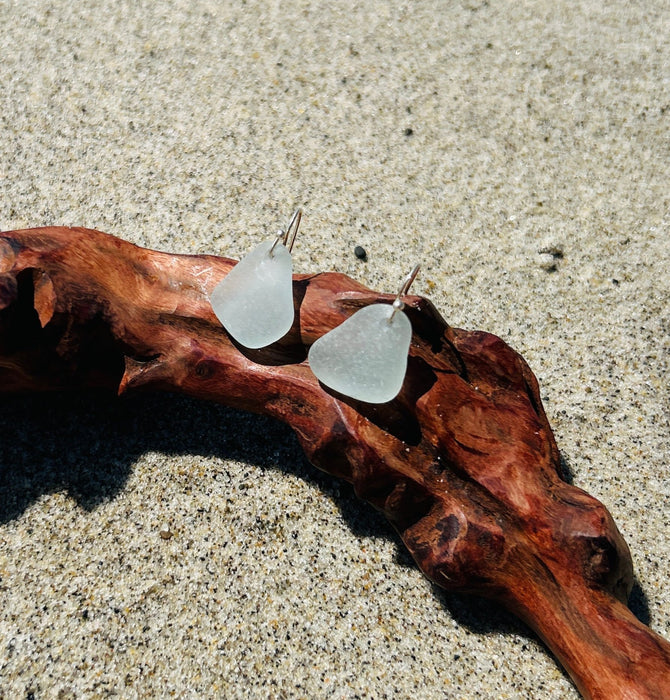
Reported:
(520, 152)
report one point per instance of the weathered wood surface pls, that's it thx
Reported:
(463, 463)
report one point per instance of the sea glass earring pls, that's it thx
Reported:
(254, 301)
(366, 356)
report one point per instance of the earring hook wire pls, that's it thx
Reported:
(283, 236)
(398, 304)
(293, 225)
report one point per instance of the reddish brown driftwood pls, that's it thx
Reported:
(463, 462)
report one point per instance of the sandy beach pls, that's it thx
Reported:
(154, 546)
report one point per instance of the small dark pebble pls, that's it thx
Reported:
(360, 252)
(556, 252)
(409, 131)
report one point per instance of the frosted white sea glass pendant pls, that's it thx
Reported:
(254, 301)
(366, 356)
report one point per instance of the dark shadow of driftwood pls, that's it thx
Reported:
(86, 444)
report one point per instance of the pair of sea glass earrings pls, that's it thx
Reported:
(365, 357)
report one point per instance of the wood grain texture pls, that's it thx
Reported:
(463, 463)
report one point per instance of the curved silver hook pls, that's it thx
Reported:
(293, 225)
(398, 305)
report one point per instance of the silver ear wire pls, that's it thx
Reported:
(398, 304)
(293, 225)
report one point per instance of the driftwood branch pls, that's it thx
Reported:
(463, 463)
